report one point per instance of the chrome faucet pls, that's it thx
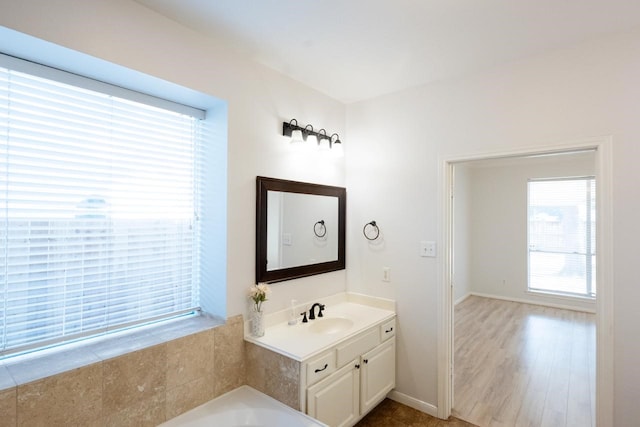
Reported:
(312, 312)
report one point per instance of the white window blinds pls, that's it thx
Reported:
(98, 210)
(562, 243)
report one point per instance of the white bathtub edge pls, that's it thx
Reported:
(239, 400)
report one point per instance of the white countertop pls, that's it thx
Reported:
(298, 343)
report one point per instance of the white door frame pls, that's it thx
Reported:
(604, 259)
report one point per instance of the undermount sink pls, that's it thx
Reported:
(330, 325)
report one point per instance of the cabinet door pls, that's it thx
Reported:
(378, 374)
(336, 400)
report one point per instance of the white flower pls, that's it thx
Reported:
(258, 294)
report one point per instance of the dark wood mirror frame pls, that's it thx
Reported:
(272, 184)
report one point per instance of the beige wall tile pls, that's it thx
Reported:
(283, 381)
(229, 364)
(187, 396)
(145, 412)
(273, 374)
(69, 399)
(256, 375)
(141, 388)
(133, 378)
(190, 358)
(8, 407)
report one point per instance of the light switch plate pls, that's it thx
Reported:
(427, 249)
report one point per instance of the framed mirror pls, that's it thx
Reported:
(300, 229)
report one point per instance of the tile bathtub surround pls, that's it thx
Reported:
(73, 398)
(8, 407)
(134, 380)
(184, 397)
(148, 412)
(190, 358)
(229, 356)
(273, 374)
(142, 387)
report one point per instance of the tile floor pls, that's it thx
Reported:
(393, 414)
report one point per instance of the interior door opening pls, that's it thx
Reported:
(603, 370)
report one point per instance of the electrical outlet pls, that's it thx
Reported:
(386, 274)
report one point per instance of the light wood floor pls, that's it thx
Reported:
(523, 365)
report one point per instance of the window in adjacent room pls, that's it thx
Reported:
(561, 236)
(99, 207)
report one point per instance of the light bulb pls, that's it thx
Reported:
(337, 149)
(296, 136)
(312, 142)
(324, 145)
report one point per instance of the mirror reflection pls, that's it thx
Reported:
(301, 229)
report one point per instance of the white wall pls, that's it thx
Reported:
(498, 223)
(125, 33)
(395, 141)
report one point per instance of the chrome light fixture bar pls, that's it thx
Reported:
(317, 139)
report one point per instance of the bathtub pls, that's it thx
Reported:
(244, 406)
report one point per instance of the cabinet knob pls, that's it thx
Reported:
(366, 360)
(320, 370)
(357, 366)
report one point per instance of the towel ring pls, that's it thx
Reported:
(320, 231)
(375, 227)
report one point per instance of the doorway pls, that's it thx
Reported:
(604, 382)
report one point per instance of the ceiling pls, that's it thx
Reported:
(353, 50)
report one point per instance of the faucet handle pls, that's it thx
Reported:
(304, 317)
(320, 312)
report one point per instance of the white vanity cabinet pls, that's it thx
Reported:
(335, 368)
(377, 375)
(344, 383)
(336, 400)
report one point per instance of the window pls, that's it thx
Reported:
(562, 245)
(99, 202)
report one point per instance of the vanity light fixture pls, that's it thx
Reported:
(295, 133)
(337, 148)
(324, 144)
(314, 139)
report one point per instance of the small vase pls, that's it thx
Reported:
(257, 324)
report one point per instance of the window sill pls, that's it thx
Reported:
(567, 297)
(23, 369)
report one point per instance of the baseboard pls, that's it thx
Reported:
(414, 403)
(462, 298)
(533, 302)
